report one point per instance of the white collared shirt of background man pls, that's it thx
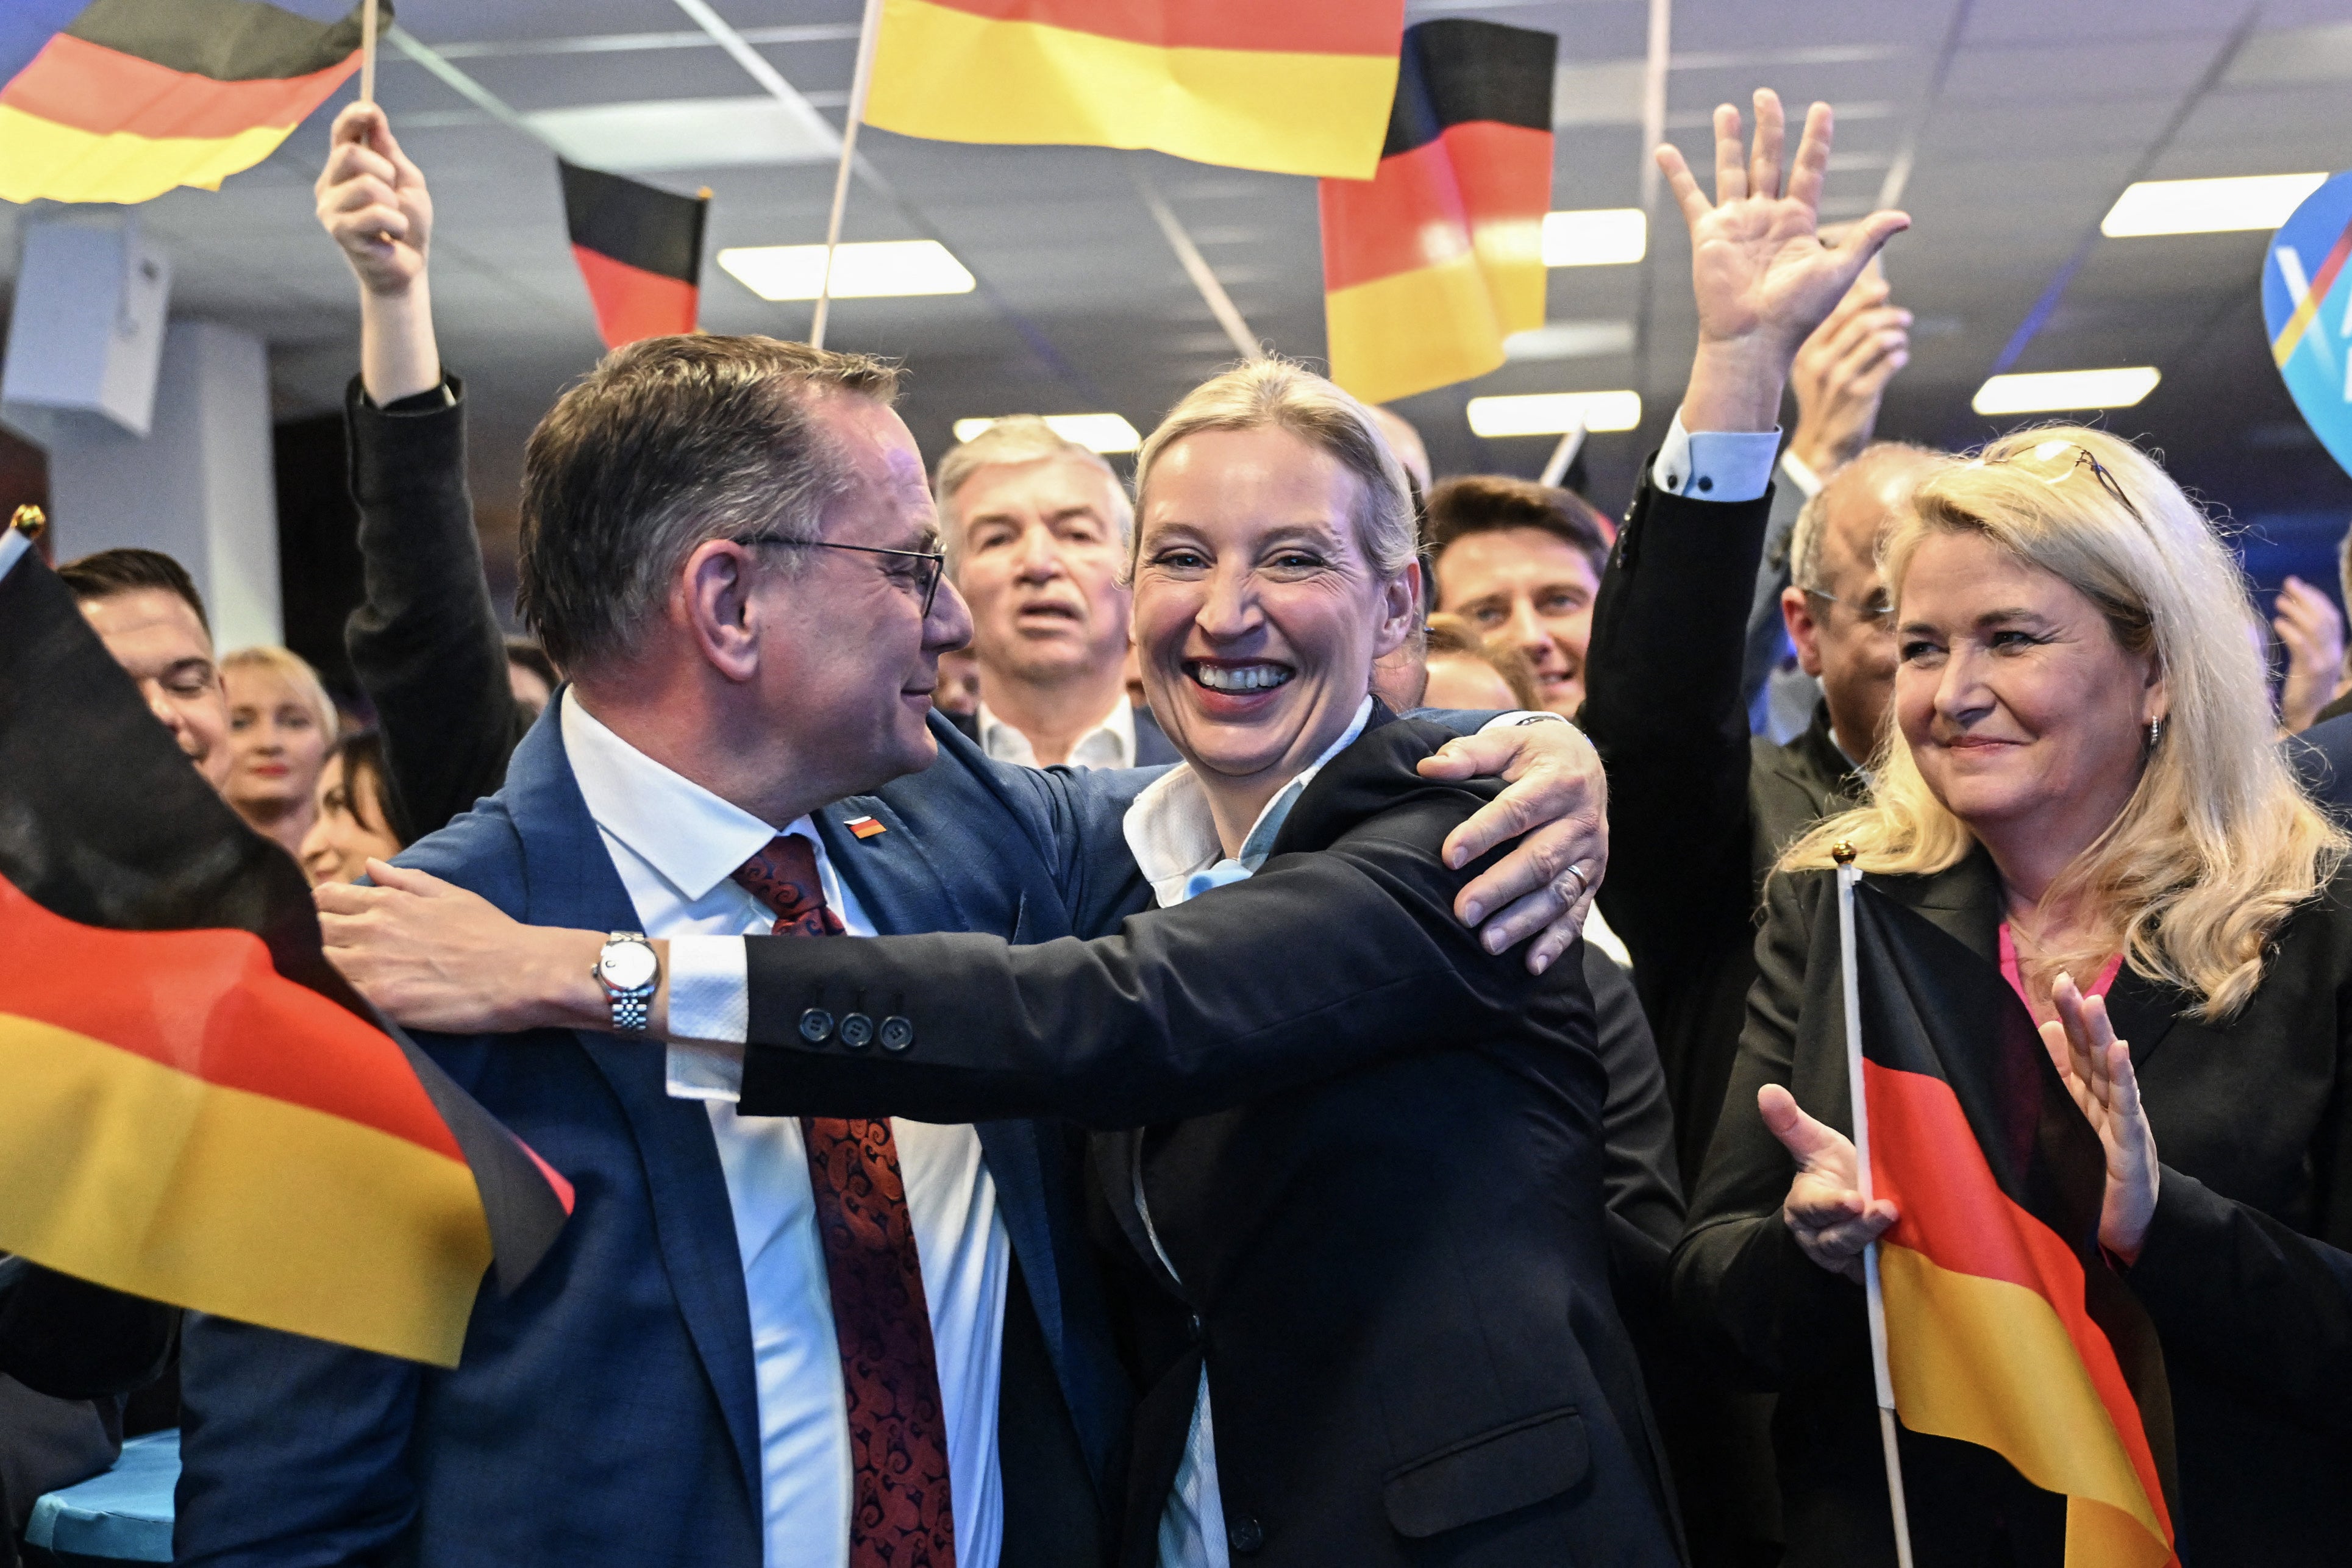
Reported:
(677, 846)
(1109, 744)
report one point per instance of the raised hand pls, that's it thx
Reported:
(1841, 373)
(1761, 276)
(2312, 632)
(373, 203)
(2096, 1068)
(1824, 1209)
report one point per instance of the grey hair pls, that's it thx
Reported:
(1018, 438)
(1288, 396)
(667, 444)
(1811, 526)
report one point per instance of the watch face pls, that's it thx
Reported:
(627, 965)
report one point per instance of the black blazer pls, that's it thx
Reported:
(2246, 1272)
(1697, 809)
(1400, 1274)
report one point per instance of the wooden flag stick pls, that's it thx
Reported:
(857, 85)
(1848, 874)
(367, 51)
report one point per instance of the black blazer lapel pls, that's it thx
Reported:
(2143, 1012)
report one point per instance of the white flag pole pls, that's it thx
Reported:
(1571, 441)
(367, 53)
(859, 82)
(1848, 875)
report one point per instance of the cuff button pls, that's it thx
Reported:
(856, 1031)
(898, 1033)
(816, 1025)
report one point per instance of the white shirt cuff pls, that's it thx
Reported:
(1716, 465)
(709, 1013)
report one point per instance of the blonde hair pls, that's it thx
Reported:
(295, 671)
(2217, 845)
(1018, 438)
(1280, 394)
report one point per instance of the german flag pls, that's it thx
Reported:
(2005, 1327)
(1432, 263)
(198, 1109)
(134, 97)
(1297, 87)
(639, 249)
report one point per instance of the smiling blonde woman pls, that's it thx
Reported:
(2079, 782)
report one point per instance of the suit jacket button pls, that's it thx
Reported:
(898, 1033)
(816, 1025)
(1246, 1535)
(856, 1031)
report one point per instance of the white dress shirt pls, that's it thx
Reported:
(1173, 836)
(676, 846)
(1714, 464)
(1109, 744)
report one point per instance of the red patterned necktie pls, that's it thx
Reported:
(902, 1516)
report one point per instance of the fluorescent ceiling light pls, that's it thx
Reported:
(1095, 432)
(871, 269)
(689, 133)
(1570, 339)
(1602, 236)
(1550, 413)
(2056, 391)
(2207, 206)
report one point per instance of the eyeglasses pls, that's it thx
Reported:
(2046, 455)
(1867, 613)
(925, 576)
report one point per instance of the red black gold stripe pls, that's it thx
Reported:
(2005, 1327)
(139, 96)
(639, 249)
(198, 1109)
(1298, 88)
(1432, 263)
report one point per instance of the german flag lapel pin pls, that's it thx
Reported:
(865, 827)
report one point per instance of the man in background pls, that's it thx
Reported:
(145, 608)
(1036, 530)
(1521, 562)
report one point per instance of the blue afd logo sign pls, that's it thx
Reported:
(2308, 308)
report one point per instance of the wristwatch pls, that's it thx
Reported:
(628, 970)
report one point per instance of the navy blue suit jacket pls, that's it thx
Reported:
(606, 1413)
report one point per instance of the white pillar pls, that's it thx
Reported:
(199, 486)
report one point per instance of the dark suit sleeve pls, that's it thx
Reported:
(1752, 1299)
(426, 643)
(1644, 1196)
(293, 1452)
(1664, 707)
(72, 1339)
(2257, 1298)
(1323, 961)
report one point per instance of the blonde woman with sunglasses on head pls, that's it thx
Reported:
(2077, 777)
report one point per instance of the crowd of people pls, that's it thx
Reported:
(1202, 1154)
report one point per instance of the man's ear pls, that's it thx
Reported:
(1797, 615)
(1400, 610)
(713, 599)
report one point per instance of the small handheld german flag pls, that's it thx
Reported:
(640, 252)
(2004, 1325)
(198, 1109)
(1432, 263)
(120, 101)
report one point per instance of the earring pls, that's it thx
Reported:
(2155, 733)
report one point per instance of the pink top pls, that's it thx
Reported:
(2016, 976)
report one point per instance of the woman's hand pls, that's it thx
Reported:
(1824, 1208)
(433, 956)
(373, 202)
(1762, 277)
(2096, 1068)
(1557, 806)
